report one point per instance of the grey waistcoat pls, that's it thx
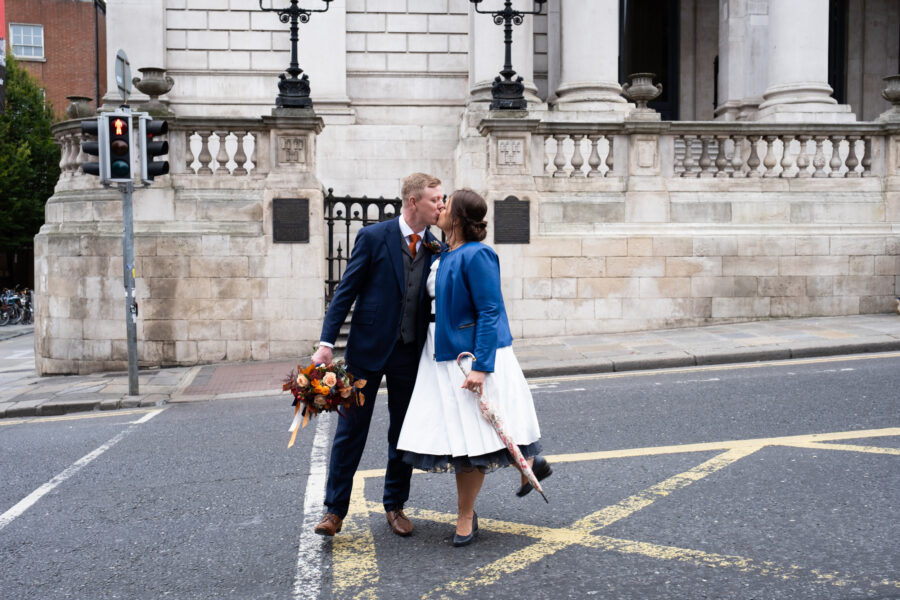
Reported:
(413, 273)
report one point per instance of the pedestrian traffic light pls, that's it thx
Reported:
(119, 146)
(151, 148)
(97, 128)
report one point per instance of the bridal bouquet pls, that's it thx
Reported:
(321, 388)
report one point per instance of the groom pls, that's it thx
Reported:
(385, 276)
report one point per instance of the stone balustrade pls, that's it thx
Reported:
(216, 147)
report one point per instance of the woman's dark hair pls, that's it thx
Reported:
(468, 210)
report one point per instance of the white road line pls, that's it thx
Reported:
(308, 576)
(29, 500)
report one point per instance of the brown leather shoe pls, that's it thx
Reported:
(399, 523)
(329, 525)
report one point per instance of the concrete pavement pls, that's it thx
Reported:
(541, 357)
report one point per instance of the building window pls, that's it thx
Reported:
(27, 40)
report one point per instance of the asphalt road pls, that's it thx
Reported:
(752, 481)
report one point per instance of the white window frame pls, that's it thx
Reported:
(14, 42)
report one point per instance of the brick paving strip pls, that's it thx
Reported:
(542, 357)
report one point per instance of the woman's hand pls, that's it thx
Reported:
(475, 382)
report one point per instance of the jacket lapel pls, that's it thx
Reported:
(395, 250)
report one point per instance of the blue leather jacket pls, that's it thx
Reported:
(469, 311)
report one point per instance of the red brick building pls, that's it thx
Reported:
(63, 44)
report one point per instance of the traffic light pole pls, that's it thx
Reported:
(129, 271)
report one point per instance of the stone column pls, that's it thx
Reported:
(486, 54)
(798, 87)
(128, 21)
(589, 42)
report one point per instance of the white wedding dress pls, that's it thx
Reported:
(444, 430)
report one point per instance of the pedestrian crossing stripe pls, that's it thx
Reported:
(355, 566)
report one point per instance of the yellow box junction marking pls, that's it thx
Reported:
(355, 562)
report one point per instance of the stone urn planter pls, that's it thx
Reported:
(79, 107)
(154, 82)
(891, 93)
(641, 90)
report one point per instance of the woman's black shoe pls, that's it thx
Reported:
(541, 470)
(465, 540)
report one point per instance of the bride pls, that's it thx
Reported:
(443, 429)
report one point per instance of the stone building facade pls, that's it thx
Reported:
(760, 195)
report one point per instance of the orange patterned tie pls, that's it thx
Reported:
(413, 240)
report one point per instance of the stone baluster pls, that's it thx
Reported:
(705, 161)
(205, 156)
(65, 143)
(787, 160)
(835, 162)
(577, 159)
(852, 157)
(721, 160)
(594, 161)
(253, 155)
(74, 155)
(188, 153)
(609, 156)
(688, 156)
(770, 161)
(753, 160)
(737, 156)
(559, 161)
(803, 157)
(819, 158)
(867, 156)
(222, 154)
(80, 157)
(240, 157)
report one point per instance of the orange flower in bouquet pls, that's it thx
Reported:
(322, 388)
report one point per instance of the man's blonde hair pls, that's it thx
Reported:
(415, 184)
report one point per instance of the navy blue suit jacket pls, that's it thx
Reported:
(374, 279)
(469, 311)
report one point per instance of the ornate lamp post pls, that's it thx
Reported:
(508, 94)
(294, 90)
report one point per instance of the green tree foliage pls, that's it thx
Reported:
(29, 159)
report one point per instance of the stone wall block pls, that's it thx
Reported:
(581, 266)
(730, 308)
(886, 265)
(766, 246)
(669, 310)
(673, 246)
(812, 246)
(635, 267)
(855, 246)
(227, 266)
(782, 286)
(855, 285)
(571, 309)
(215, 245)
(237, 350)
(156, 353)
(861, 265)
(812, 265)
(746, 287)
(165, 267)
(608, 308)
(259, 350)
(665, 287)
(700, 212)
(688, 267)
(237, 287)
(159, 330)
(186, 352)
(553, 247)
(512, 287)
(712, 287)
(749, 265)
(66, 328)
(204, 330)
(100, 246)
(605, 246)
(609, 287)
(564, 287)
(104, 329)
(819, 286)
(97, 349)
(537, 287)
(533, 267)
(809, 306)
(892, 245)
(247, 246)
(715, 246)
(170, 287)
(877, 304)
(211, 350)
(640, 246)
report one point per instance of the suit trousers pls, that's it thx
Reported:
(353, 429)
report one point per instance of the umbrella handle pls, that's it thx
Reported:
(459, 358)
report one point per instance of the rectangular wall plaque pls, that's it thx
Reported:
(290, 220)
(512, 221)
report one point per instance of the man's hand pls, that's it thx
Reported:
(323, 355)
(475, 382)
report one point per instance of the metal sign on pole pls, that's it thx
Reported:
(123, 75)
